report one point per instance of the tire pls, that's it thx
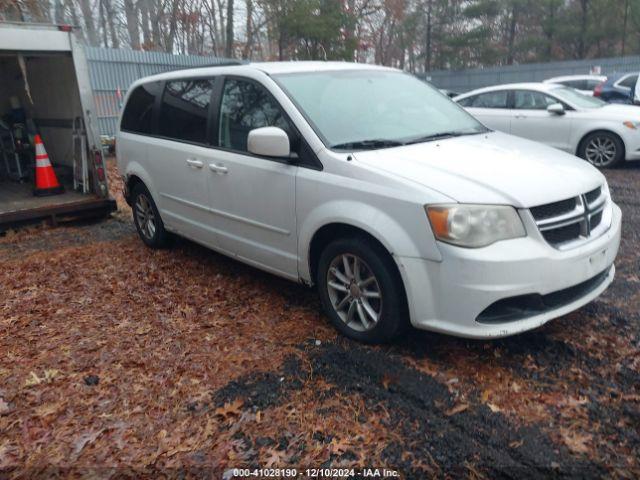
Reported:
(602, 149)
(147, 218)
(356, 318)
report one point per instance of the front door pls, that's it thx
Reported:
(532, 120)
(252, 198)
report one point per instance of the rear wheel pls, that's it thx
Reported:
(602, 149)
(147, 218)
(361, 290)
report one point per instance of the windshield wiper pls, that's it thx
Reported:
(368, 144)
(440, 136)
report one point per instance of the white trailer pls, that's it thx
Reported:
(45, 89)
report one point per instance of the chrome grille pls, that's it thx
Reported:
(569, 221)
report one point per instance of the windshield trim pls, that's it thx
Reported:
(325, 141)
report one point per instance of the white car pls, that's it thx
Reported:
(585, 84)
(601, 133)
(365, 181)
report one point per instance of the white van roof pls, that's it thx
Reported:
(270, 68)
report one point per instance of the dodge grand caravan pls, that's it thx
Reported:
(397, 204)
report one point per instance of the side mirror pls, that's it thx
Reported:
(556, 109)
(269, 142)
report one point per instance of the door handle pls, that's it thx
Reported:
(195, 163)
(521, 116)
(221, 169)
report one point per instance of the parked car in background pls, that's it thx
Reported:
(603, 134)
(585, 84)
(617, 88)
(372, 185)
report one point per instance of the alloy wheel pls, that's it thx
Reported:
(354, 292)
(145, 216)
(601, 151)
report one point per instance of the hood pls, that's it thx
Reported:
(491, 168)
(615, 111)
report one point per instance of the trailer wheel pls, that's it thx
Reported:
(147, 218)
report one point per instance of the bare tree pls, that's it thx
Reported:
(228, 51)
(89, 25)
(131, 14)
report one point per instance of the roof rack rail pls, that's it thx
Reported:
(223, 63)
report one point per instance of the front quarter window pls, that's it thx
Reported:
(246, 105)
(374, 108)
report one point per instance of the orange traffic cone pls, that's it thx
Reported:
(46, 181)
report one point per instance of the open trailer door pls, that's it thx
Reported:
(45, 91)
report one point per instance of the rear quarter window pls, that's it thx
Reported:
(138, 113)
(628, 82)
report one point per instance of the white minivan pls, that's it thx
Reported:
(367, 182)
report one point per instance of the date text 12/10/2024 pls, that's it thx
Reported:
(240, 473)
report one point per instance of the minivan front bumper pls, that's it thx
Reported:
(509, 287)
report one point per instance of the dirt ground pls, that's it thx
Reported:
(121, 362)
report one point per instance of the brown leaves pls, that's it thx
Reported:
(48, 377)
(8, 455)
(576, 442)
(460, 407)
(84, 440)
(230, 409)
(388, 380)
(166, 329)
(5, 408)
(274, 458)
(339, 446)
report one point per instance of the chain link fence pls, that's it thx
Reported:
(464, 80)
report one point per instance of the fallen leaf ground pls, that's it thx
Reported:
(123, 362)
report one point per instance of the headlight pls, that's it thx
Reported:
(474, 225)
(631, 125)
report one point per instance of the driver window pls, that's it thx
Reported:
(245, 106)
(529, 100)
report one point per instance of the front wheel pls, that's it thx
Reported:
(602, 149)
(361, 290)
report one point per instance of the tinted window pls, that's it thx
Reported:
(629, 81)
(184, 110)
(529, 100)
(245, 106)
(138, 114)
(490, 100)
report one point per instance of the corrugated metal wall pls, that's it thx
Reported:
(465, 80)
(114, 70)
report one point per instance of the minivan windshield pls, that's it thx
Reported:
(577, 99)
(369, 109)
